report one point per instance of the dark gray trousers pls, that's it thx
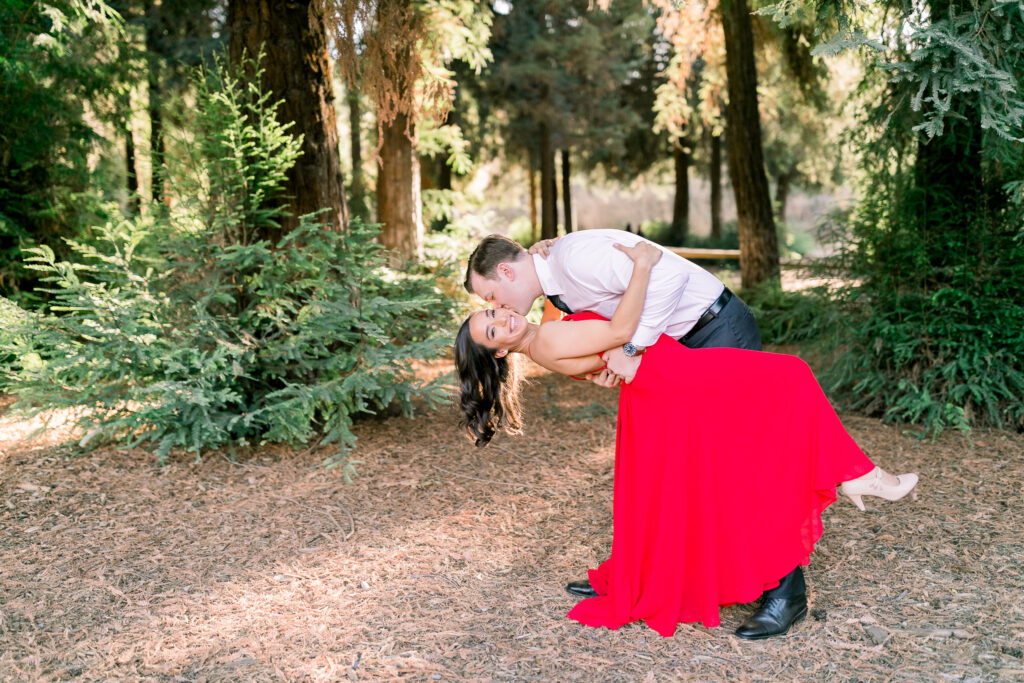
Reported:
(734, 327)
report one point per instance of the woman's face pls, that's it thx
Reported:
(499, 328)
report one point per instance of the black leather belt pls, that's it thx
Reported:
(710, 314)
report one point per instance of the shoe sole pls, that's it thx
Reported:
(797, 619)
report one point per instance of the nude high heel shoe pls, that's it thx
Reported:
(873, 486)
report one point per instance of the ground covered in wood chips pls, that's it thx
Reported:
(442, 561)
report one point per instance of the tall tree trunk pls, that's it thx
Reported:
(548, 213)
(782, 194)
(130, 174)
(155, 95)
(444, 175)
(444, 179)
(357, 206)
(134, 201)
(681, 202)
(759, 249)
(554, 187)
(531, 173)
(716, 187)
(566, 192)
(297, 70)
(398, 191)
(948, 171)
(950, 194)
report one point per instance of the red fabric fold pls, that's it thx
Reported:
(725, 461)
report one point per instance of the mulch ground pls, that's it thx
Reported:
(441, 561)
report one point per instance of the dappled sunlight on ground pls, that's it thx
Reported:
(442, 561)
(46, 430)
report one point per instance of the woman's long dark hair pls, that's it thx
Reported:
(489, 389)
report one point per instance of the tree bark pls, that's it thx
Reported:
(444, 173)
(759, 250)
(681, 202)
(531, 174)
(297, 70)
(782, 184)
(566, 192)
(548, 212)
(716, 187)
(444, 176)
(398, 192)
(355, 114)
(134, 201)
(154, 94)
(357, 193)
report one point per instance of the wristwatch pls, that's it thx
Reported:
(629, 348)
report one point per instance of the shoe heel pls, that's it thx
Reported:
(857, 501)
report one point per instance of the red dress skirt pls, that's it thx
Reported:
(724, 462)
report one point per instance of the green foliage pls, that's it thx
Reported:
(786, 317)
(50, 63)
(586, 72)
(933, 329)
(522, 231)
(194, 332)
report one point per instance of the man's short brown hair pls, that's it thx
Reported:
(492, 250)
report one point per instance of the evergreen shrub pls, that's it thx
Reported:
(192, 331)
(808, 316)
(932, 318)
(934, 331)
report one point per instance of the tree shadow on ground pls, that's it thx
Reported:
(444, 561)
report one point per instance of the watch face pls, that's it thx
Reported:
(629, 349)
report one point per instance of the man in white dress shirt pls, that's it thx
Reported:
(582, 272)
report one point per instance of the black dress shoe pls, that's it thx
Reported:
(773, 618)
(581, 589)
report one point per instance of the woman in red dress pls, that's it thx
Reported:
(711, 507)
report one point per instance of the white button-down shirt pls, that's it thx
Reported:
(590, 275)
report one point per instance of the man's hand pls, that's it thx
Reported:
(541, 247)
(621, 364)
(604, 378)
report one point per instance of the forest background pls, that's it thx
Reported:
(225, 224)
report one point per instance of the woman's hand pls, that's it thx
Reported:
(643, 253)
(541, 247)
(604, 378)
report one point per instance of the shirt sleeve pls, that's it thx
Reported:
(609, 270)
(663, 294)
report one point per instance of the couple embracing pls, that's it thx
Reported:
(725, 456)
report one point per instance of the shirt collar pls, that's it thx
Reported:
(548, 282)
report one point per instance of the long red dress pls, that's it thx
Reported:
(725, 460)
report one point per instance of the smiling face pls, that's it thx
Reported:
(506, 290)
(500, 329)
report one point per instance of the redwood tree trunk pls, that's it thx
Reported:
(297, 70)
(566, 192)
(681, 202)
(154, 93)
(532, 177)
(134, 200)
(357, 205)
(548, 213)
(782, 194)
(398, 191)
(759, 250)
(716, 187)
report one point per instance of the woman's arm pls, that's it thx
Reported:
(627, 314)
(572, 347)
